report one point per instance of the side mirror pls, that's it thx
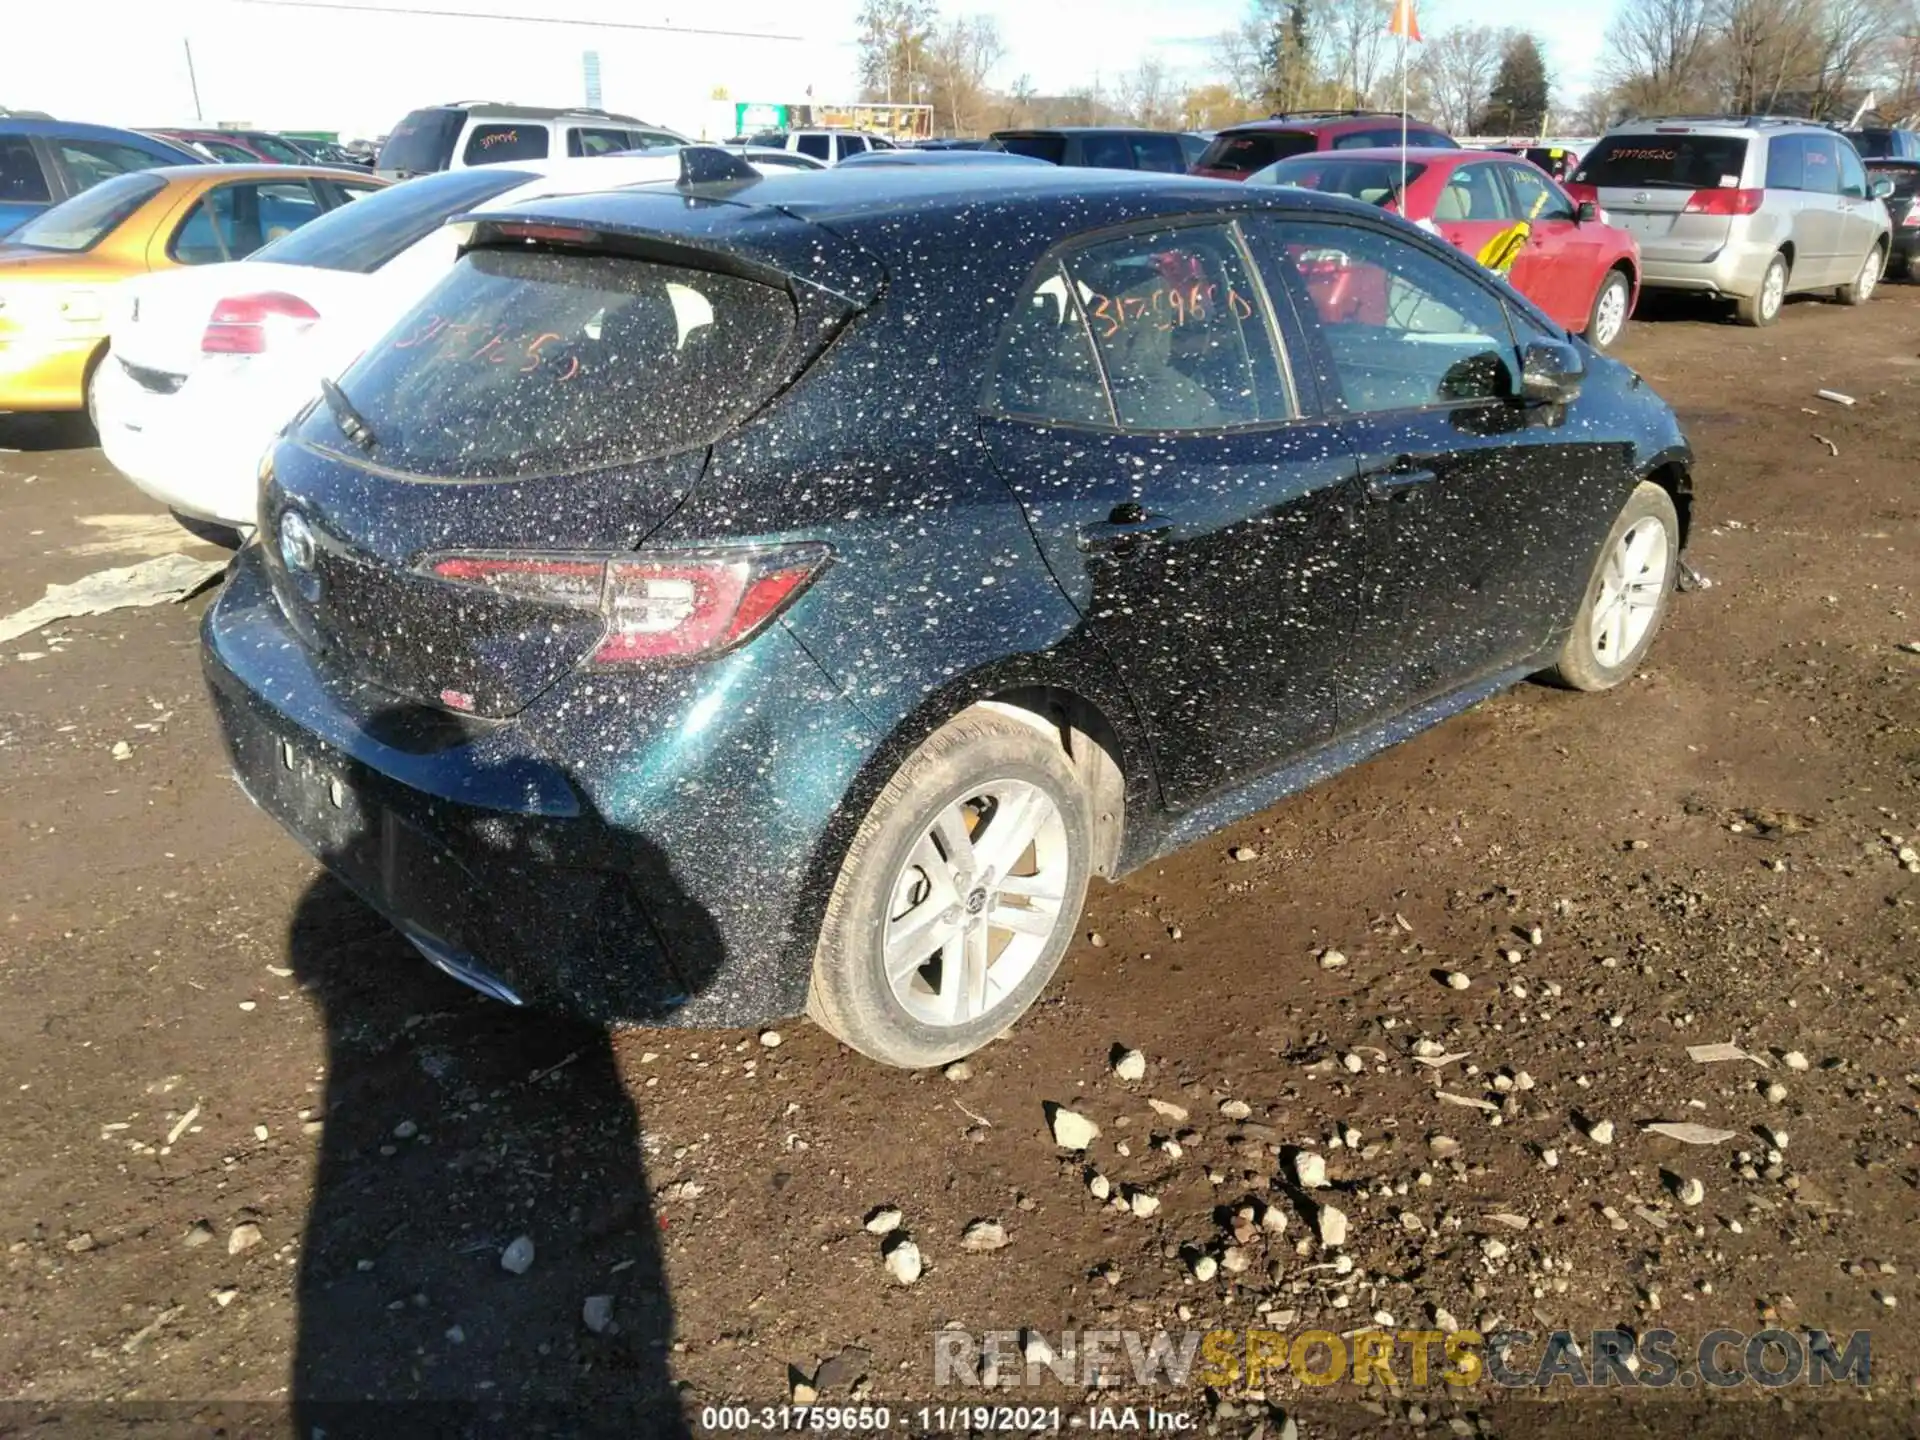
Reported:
(1551, 371)
(1882, 189)
(1586, 213)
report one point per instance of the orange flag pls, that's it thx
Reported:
(1403, 22)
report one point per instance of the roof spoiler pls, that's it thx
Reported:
(710, 165)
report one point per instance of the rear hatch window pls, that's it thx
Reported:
(1905, 178)
(1050, 148)
(537, 362)
(421, 143)
(1675, 162)
(363, 236)
(1375, 181)
(1244, 152)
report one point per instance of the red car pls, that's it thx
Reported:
(1239, 151)
(1505, 212)
(240, 147)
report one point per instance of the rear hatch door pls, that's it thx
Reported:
(1646, 181)
(546, 406)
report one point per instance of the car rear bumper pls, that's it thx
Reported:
(45, 374)
(200, 459)
(1736, 274)
(674, 884)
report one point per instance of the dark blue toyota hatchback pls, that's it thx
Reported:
(717, 601)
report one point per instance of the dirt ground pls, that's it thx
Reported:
(205, 1035)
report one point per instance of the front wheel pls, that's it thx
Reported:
(1626, 597)
(958, 896)
(1608, 317)
(1763, 306)
(1865, 281)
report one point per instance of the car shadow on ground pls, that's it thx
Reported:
(454, 1126)
(1665, 307)
(36, 433)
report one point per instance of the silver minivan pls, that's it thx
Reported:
(1753, 208)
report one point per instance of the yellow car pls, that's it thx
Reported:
(59, 270)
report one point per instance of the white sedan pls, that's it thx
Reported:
(206, 365)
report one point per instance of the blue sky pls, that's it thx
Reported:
(358, 73)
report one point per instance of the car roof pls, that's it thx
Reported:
(1083, 130)
(910, 218)
(1322, 122)
(1416, 155)
(75, 130)
(540, 112)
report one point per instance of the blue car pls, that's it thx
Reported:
(43, 162)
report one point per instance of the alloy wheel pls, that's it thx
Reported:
(1773, 290)
(1610, 316)
(1869, 275)
(976, 903)
(1633, 584)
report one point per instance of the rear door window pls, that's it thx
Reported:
(529, 362)
(88, 162)
(1472, 194)
(1050, 148)
(230, 222)
(1044, 366)
(1180, 330)
(596, 140)
(20, 179)
(1787, 162)
(495, 143)
(820, 147)
(422, 142)
(363, 236)
(1159, 152)
(1106, 152)
(1679, 162)
(852, 145)
(1251, 150)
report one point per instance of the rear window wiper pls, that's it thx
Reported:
(352, 423)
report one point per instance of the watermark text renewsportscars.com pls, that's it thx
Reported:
(1516, 1359)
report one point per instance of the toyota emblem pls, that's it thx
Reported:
(296, 544)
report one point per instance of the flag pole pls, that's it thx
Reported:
(1402, 204)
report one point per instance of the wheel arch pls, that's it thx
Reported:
(1674, 474)
(1087, 713)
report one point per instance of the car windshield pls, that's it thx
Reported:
(363, 236)
(532, 362)
(1246, 151)
(89, 217)
(1678, 161)
(1050, 148)
(1378, 182)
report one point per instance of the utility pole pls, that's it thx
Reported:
(192, 79)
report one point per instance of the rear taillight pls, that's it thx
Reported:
(660, 605)
(247, 324)
(1725, 202)
(1913, 213)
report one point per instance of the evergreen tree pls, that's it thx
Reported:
(1522, 94)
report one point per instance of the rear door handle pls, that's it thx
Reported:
(1402, 475)
(1125, 530)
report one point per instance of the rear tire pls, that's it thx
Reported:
(911, 968)
(1626, 599)
(1607, 316)
(1763, 306)
(1860, 289)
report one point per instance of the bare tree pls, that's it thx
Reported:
(1148, 95)
(961, 54)
(1458, 66)
(1660, 55)
(1240, 55)
(1358, 49)
(892, 43)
